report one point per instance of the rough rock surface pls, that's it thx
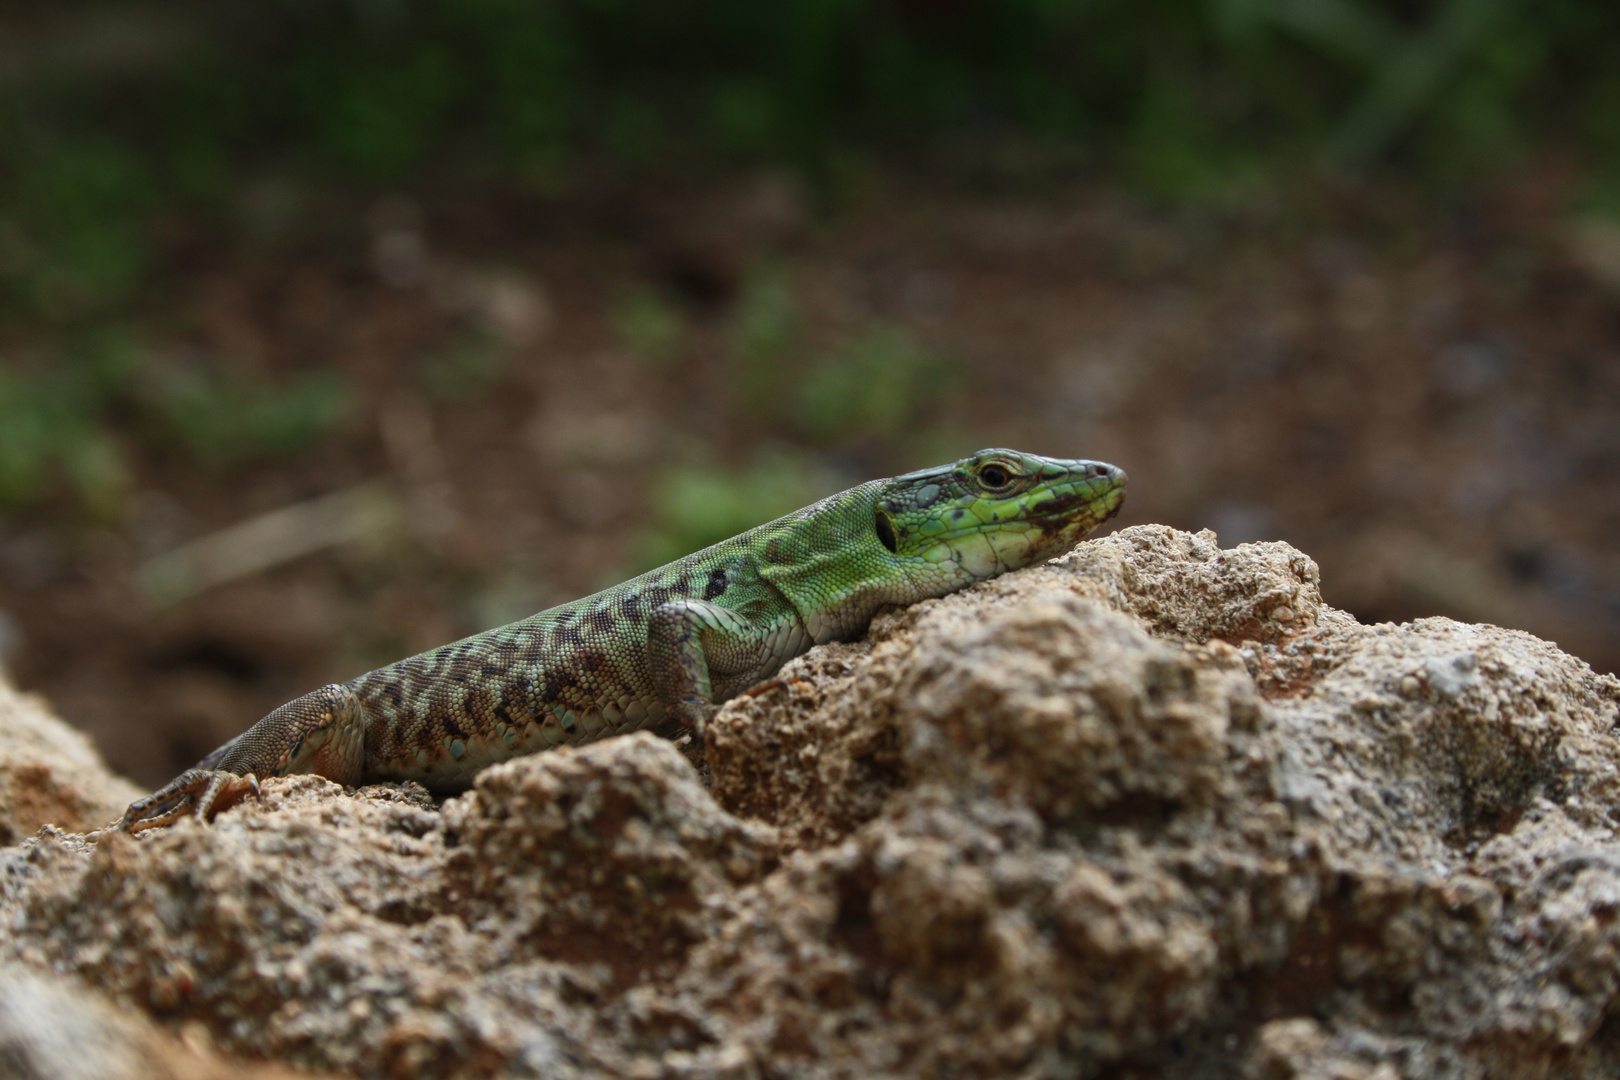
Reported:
(49, 773)
(1150, 810)
(54, 1029)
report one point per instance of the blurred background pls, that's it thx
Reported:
(332, 330)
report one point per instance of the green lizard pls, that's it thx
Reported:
(666, 648)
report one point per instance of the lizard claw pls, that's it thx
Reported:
(204, 792)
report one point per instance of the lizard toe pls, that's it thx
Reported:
(203, 792)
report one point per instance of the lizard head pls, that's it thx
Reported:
(995, 511)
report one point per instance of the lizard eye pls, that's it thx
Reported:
(885, 530)
(994, 476)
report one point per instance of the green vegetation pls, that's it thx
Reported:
(473, 362)
(1175, 96)
(57, 429)
(871, 385)
(121, 119)
(187, 103)
(652, 327)
(51, 429)
(868, 389)
(765, 339)
(698, 502)
(71, 223)
(221, 419)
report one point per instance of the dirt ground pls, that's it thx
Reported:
(1426, 402)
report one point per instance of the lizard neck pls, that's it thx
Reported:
(827, 562)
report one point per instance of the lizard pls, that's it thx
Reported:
(663, 650)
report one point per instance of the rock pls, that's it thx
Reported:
(370, 934)
(50, 773)
(54, 1029)
(1151, 809)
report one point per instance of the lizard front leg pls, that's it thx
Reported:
(690, 642)
(323, 732)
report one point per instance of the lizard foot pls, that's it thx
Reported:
(204, 792)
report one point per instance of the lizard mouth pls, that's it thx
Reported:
(1059, 514)
(1079, 506)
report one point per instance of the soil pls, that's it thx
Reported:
(1426, 401)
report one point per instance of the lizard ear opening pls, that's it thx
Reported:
(885, 530)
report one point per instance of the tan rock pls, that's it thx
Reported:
(55, 1029)
(51, 774)
(1151, 809)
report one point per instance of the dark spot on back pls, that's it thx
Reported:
(716, 584)
(558, 683)
(450, 722)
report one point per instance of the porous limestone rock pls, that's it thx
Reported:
(55, 1029)
(50, 773)
(1149, 810)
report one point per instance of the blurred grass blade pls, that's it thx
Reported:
(1351, 30)
(1411, 79)
(363, 512)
